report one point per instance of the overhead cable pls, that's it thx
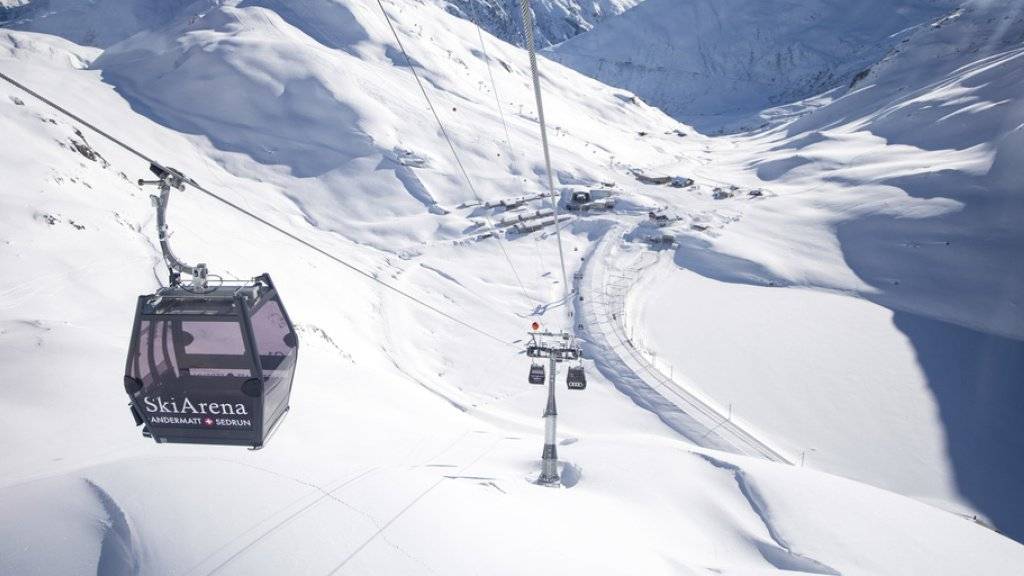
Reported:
(254, 216)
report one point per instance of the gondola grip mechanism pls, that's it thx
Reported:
(168, 178)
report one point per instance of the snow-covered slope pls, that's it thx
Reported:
(411, 441)
(325, 115)
(712, 62)
(901, 198)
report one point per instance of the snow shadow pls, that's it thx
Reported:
(571, 474)
(962, 268)
(779, 552)
(927, 120)
(698, 255)
(977, 382)
(775, 169)
(119, 553)
(412, 184)
(267, 100)
(304, 127)
(803, 141)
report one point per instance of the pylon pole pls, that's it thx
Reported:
(549, 458)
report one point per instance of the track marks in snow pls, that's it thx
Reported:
(413, 502)
(119, 554)
(778, 553)
(291, 514)
(41, 286)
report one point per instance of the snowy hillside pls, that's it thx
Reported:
(413, 442)
(713, 63)
(900, 198)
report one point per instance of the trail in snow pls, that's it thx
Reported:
(291, 514)
(381, 529)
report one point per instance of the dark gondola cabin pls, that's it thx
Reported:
(576, 379)
(212, 366)
(536, 374)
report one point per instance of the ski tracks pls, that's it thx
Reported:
(249, 541)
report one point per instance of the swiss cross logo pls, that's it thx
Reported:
(208, 421)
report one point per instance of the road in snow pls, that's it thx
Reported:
(610, 271)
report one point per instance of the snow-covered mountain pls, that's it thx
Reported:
(412, 441)
(709, 62)
(97, 23)
(555, 20)
(104, 22)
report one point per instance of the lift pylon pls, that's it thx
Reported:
(555, 347)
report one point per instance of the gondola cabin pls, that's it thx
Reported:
(536, 374)
(576, 379)
(212, 366)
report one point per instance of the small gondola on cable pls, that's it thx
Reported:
(536, 373)
(576, 378)
(208, 363)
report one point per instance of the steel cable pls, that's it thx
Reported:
(255, 217)
(527, 15)
(451, 146)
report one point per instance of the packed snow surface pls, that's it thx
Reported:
(412, 442)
